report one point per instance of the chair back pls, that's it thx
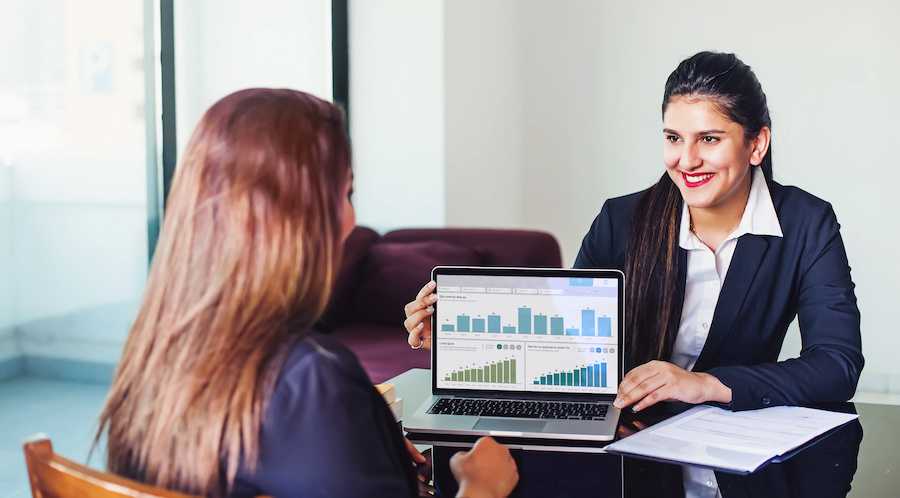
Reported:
(52, 476)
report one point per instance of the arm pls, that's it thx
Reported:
(831, 358)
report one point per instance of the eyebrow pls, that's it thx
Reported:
(701, 133)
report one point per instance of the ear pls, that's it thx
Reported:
(760, 145)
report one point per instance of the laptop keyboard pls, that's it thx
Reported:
(520, 409)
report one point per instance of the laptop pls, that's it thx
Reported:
(524, 354)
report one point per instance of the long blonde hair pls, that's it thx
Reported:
(243, 268)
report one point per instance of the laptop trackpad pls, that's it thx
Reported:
(499, 424)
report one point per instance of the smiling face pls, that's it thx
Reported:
(707, 156)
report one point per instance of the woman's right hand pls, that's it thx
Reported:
(418, 317)
(487, 470)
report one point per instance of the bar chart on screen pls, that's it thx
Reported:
(531, 315)
(571, 367)
(469, 363)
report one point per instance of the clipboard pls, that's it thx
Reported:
(733, 442)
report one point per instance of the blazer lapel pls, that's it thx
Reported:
(745, 263)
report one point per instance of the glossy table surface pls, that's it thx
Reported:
(877, 455)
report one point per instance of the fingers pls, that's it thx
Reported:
(413, 452)
(657, 381)
(487, 470)
(418, 318)
(635, 384)
(424, 298)
(426, 289)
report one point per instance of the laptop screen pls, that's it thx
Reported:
(527, 330)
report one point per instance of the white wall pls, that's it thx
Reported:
(483, 113)
(397, 112)
(590, 77)
(227, 45)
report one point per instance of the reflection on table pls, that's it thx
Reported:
(842, 464)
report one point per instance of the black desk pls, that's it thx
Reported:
(826, 464)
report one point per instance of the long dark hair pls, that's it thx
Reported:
(245, 263)
(653, 262)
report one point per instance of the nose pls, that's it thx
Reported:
(690, 156)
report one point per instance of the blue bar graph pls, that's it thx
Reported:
(524, 320)
(587, 376)
(527, 323)
(587, 322)
(604, 326)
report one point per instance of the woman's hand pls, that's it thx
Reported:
(656, 381)
(418, 317)
(417, 457)
(488, 470)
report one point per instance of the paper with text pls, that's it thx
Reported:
(733, 441)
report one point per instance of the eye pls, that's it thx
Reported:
(709, 140)
(350, 195)
(672, 138)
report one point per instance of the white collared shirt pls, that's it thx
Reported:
(706, 272)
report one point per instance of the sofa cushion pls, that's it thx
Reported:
(394, 273)
(352, 266)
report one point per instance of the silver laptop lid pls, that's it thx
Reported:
(528, 332)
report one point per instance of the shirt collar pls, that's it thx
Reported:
(759, 216)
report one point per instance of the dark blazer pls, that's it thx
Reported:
(327, 432)
(769, 282)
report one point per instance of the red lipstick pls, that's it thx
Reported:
(691, 184)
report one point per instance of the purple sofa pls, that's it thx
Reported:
(380, 274)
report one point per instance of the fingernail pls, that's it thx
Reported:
(618, 403)
(432, 283)
(432, 298)
(429, 309)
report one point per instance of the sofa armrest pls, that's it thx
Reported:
(500, 247)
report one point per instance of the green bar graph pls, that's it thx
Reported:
(501, 372)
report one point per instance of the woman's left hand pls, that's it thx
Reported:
(417, 457)
(657, 381)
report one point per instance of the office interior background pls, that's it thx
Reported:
(493, 113)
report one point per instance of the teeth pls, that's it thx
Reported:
(697, 178)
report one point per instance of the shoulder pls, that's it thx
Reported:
(623, 205)
(789, 196)
(319, 365)
(798, 210)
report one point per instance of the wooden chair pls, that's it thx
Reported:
(53, 476)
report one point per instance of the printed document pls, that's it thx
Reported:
(737, 442)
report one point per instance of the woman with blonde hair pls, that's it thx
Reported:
(227, 386)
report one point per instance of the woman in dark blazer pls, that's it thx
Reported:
(719, 259)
